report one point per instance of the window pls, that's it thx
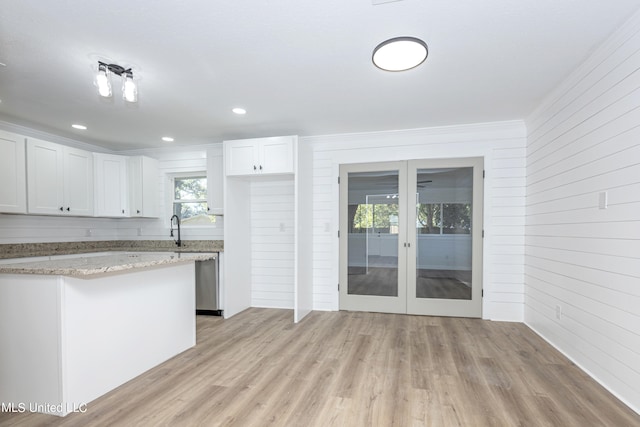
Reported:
(190, 200)
(444, 218)
(380, 218)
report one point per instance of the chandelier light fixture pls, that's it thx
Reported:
(400, 54)
(103, 81)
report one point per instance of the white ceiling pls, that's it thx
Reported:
(298, 66)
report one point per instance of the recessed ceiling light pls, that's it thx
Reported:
(400, 54)
(167, 139)
(81, 127)
(239, 111)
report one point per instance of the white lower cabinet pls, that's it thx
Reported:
(59, 179)
(13, 191)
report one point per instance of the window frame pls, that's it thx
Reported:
(171, 183)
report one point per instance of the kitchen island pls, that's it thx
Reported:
(74, 327)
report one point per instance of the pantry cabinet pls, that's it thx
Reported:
(59, 179)
(268, 225)
(273, 155)
(13, 191)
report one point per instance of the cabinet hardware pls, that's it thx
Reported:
(138, 211)
(68, 209)
(260, 167)
(122, 210)
(254, 167)
(61, 208)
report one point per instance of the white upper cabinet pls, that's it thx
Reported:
(59, 179)
(111, 185)
(143, 187)
(13, 191)
(215, 182)
(274, 155)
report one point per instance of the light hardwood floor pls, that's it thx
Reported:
(355, 369)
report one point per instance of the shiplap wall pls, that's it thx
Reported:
(582, 263)
(503, 147)
(272, 242)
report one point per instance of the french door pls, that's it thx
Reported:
(411, 237)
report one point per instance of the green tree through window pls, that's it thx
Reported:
(190, 200)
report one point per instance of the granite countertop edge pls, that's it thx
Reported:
(24, 250)
(100, 265)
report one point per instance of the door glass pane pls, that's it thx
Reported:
(443, 233)
(373, 233)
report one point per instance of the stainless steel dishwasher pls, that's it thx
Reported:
(208, 288)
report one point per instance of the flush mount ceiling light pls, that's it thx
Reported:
(400, 54)
(239, 111)
(167, 139)
(103, 81)
(78, 126)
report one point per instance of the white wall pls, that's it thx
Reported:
(272, 242)
(503, 147)
(582, 263)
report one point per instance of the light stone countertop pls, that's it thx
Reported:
(99, 264)
(20, 250)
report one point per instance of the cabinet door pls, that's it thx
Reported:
(111, 192)
(214, 182)
(13, 191)
(276, 155)
(135, 186)
(44, 177)
(78, 182)
(143, 187)
(241, 157)
(150, 187)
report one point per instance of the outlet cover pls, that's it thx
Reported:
(558, 312)
(603, 203)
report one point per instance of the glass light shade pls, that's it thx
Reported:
(129, 89)
(400, 54)
(103, 82)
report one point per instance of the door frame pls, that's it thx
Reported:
(438, 306)
(407, 242)
(386, 304)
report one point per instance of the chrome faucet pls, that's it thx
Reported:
(178, 242)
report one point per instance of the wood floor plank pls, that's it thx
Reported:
(355, 369)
